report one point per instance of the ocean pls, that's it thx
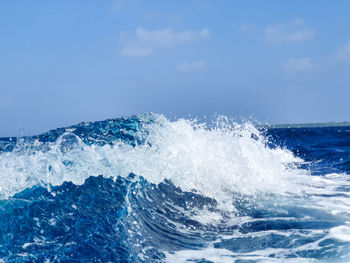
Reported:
(150, 189)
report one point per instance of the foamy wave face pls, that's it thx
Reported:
(226, 158)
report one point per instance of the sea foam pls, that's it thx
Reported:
(226, 158)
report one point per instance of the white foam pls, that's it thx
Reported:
(214, 162)
(340, 232)
(220, 255)
(212, 254)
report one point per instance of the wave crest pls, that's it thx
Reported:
(213, 161)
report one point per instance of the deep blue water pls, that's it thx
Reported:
(145, 189)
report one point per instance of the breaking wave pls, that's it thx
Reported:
(147, 189)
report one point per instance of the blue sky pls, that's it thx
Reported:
(63, 62)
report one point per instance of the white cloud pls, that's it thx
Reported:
(191, 66)
(135, 52)
(344, 52)
(205, 33)
(297, 22)
(246, 27)
(118, 6)
(290, 32)
(146, 41)
(298, 65)
(168, 37)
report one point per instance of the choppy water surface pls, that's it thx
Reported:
(146, 189)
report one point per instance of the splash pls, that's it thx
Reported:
(216, 161)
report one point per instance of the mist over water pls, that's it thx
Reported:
(147, 189)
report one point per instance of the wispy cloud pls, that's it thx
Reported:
(118, 6)
(298, 65)
(168, 37)
(145, 41)
(290, 32)
(191, 66)
(135, 52)
(344, 52)
(246, 27)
